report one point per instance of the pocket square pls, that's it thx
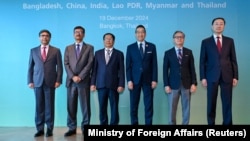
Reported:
(149, 52)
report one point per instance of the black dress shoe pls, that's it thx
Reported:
(70, 133)
(49, 133)
(39, 133)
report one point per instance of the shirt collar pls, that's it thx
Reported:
(143, 43)
(176, 48)
(47, 46)
(109, 48)
(215, 36)
(79, 44)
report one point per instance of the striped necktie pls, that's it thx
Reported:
(179, 55)
(107, 55)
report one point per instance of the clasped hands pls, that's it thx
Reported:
(76, 79)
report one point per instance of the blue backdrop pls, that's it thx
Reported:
(22, 20)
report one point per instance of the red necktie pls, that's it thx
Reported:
(44, 53)
(218, 44)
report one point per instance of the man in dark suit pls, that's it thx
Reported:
(78, 60)
(141, 73)
(44, 76)
(108, 77)
(179, 78)
(218, 67)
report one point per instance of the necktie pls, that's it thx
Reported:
(179, 56)
(218, 44)
(107, 56)
(77, 50)
(141, 49)
(44, 53)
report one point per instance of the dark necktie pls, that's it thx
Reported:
(179, 56)
(77, 50)
(218, 44)
(44, 53)
(141, 50)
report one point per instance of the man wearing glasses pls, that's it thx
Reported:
(44, 76)
(78, 60)
(179, 78)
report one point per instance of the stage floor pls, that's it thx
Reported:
(27, 134)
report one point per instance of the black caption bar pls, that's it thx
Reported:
(166, 132)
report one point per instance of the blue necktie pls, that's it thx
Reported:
(77, 50)
(179, 56)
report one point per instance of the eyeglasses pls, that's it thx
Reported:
(178, 37)
(44, 35)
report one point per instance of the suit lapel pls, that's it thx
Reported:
(72, 52)
(224, 42)
(102, 55)
(38, 52)
(213, 43)
(137, 50)
(50, 50)
(173, 52)
(147, 49)
(185, 54)
(112, 55)
(82, 50)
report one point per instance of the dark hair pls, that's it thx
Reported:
(44, 30)
(113, 36)
(140, 26)
(219, 18)
(79, 27)
(178, 31)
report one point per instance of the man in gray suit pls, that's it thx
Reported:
(78, 60)
(44, 76)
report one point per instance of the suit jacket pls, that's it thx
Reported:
(213, 64)
(78, 66)
(136, 66)
(109, 75)
(175, 74)
(50, 71)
